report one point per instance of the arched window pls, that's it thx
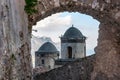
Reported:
(69, 52)
(49, 66)
(43, 61)
(84, 51)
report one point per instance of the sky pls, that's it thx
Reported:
(55, 25)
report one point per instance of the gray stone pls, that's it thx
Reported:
(15, 59)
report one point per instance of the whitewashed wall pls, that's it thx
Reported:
(77, 50)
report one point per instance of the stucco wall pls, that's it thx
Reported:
(78, 50)
(49, 60)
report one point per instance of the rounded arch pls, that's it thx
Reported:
(109, 32)
(96, 8)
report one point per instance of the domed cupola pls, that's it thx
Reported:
(73, 44)
(73, 35)
(47, 48)
(46, 56)
(73, 32)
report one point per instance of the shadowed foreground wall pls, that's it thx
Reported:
(78, 70)
(15, 58)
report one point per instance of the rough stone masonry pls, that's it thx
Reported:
(15, 58)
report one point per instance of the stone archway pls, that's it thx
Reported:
(107, 9)
(107, 12)
(14, 34)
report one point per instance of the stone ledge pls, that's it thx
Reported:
(78, 70)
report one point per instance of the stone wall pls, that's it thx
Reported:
(78, 50)
(79, 70)
(105, 11)
(98, 9)
(15, 58)
(108, 53)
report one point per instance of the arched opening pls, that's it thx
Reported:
(104, 10)
(69, 50)
(52, 27)
(43, 62)
(84, 50)
(92, 8)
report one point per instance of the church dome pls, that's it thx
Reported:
(47, 47)
(73, 32)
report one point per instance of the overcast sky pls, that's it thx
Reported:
(55, 25)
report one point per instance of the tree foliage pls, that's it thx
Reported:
(30, 6)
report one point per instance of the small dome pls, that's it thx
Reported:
(47, 48)
(73, 32)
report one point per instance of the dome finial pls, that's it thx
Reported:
(72, 25)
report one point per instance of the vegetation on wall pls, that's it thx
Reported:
(30, 6)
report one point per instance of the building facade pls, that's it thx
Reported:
(73, 44)
(73, 47)
(46, 56)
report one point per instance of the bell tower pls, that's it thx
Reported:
(73, 44)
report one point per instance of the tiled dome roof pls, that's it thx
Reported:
(73, 32)
(47, 47)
